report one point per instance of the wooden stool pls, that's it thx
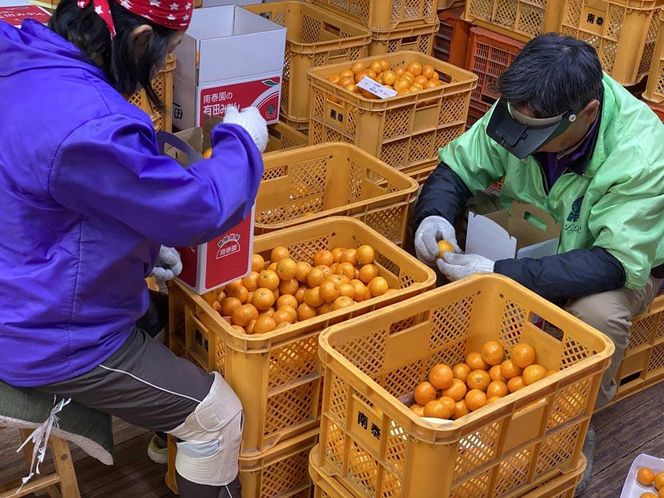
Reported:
(61, 483)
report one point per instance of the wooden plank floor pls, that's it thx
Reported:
(633, 426)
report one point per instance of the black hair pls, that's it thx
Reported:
(553, 74)
(117, 58)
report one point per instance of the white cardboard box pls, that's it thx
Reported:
(228, 57)
(523, 232)
(632, 488)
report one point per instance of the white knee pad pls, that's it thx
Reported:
(211, 437)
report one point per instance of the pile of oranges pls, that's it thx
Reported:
(412, 78)
(485, 377)
(647, 477)
(285, 291)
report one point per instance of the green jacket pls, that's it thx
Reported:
(618, 202)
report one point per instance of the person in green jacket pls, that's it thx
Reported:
(572, 141)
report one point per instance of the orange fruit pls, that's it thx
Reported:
(361, 75)
(648, 495)
(315, 277)
(401, 85)
(645, 476)
(422, 80)
(257, 263)
(326, 308)
(492, 399)
(346, 73)
(384, 64)
(533, 373)
(349, 256)
(424, 392)
(216, 306)
(278, 253)
(478, 379)
(249, 329)
(352, 88)
(443, 247)
(288, 286)
(303, 269)
(334, 79)
(263, 299)
(275, 293)
(389, 77)
(323, 258)
(282, 315)
(376, 66)
(493, 353)
(250, 282)
(346, 269)
(441, 376)
(229, 305)
(475, 399)
(437, 409)
(399, 70)
(428, 71)
(304, 312)
(365, 255)
(327, 271)
(299, 294)
(660, 494)
(313, 298)
(430, 84)
(342, 302)
(361, 292)
(264, 324)
(417, 410)
(497, 388)
(268, 312)
(292, 311)
(509, 370)
(268, 279)
(515, 384)
(460, 409)
(457, 391)
(659, 481)
(475, 362)
(337, 252)
(346, 289)
(461, 371)
(272, 267)
(414, 88)
(329, 291)
(242, 315)
(414, 68)
(523, 355)
(238, 328)
(286, 269)
(494, 373)
(221, 296)
(250, 297)
(407, 75)
(378, 286)
(368, 273)
(357, 67)
(238, 291)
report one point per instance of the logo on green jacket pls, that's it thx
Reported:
(572, 224)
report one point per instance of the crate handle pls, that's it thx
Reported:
(332, 29)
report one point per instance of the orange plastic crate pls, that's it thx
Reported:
(163, 86)
(376, 446)
(277, 375)
(314, 37)
(404, 131)
(655, 88)
(333, 179)
(451, 41)
(384, 15)
(283, 136)
(418, 38)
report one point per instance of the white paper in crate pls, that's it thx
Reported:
(632, 488)
(522, 232)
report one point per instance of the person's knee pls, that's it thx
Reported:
(609, 319)
(210, 438)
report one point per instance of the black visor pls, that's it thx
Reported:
(522, 135)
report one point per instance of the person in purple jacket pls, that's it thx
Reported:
(88, 200)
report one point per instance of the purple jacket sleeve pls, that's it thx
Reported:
(111, 168)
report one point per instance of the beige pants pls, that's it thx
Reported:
(611, 313)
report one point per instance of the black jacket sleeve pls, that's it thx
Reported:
(577, 273)
(443, 194)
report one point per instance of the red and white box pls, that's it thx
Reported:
(228, 57)
(15, 15)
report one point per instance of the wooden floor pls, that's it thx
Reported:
(631, 427)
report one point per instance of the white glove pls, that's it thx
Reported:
(251, 120)
(458, 266)
(431, 230)
(169, 264)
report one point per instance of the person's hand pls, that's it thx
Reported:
(169, 264)
(458, 266)
(431, 230)
(251, 120)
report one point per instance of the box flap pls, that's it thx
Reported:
(488, 238)
(531, 225)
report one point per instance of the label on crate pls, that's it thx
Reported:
(16, 15)
(262, 93)
(376, 88)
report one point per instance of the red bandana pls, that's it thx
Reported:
(173, 14)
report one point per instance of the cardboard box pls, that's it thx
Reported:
(225, 258)
(16, 14)
(228, 57)
(523, 232)
(217, 3)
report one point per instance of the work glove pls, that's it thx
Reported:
(251, 120)
(169, 264)
(458, 266)
(431, 230)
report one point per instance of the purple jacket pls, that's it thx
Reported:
(86, 201)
